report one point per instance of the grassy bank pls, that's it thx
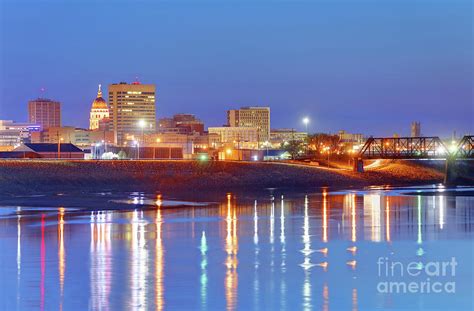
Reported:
(37, 176)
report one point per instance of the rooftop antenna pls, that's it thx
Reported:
(42, 91)
(136, 82)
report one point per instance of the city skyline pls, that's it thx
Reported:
(397, 72)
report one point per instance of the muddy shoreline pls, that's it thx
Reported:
(94, 183)
(39, 176)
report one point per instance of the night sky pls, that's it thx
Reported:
(363, 66)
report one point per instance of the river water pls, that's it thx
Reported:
(398, 249)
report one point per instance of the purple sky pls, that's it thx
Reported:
(361, 65)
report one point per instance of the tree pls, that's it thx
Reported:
(122, 155)
(319, 141)
(293, 147)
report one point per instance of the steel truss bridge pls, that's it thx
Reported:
(416, 148)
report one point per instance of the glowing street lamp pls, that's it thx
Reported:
(142, 125)
(137, 144)
(306, 122)
(59, 147)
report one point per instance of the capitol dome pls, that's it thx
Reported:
(99, 111)
(99, 102)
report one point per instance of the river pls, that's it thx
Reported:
(401, 249)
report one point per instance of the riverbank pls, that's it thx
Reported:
(37, 176)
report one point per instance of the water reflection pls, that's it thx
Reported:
(387, 219)
(204, 285)
(355, 300)
(283, 255)
(43, 264)
(231, 248)
(441, 211)
(61, 255)
(315, 251)
(138, 263)
(256, 283)
(325, 216)
(325, 297)
(18, 255)
(372, 211)
(307, 251)
(159, 260)
(100, 260)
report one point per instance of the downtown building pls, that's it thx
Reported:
(181, 123)
(236, 137)
(99, 111)
(44, 112)
(252, 117)
(13, 133)
(132, 110)
(70, 134)
(278, 137)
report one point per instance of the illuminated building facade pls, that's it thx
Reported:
(181, 123)
(44, 112)
(13, 133)
(99, 111)
(279, 136)
(238, 136)
(73, 135)
(346, 137)
(256, 117)
(132, 105)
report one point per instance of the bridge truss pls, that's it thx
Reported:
(403, 148)
(465, 148)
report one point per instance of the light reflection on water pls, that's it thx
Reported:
(316, 251)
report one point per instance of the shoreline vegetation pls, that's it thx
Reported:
(19, 177)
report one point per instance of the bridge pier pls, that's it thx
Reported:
(451, 171)
(358, 165)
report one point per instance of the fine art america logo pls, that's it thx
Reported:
(416, 277)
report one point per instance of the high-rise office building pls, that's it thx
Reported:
(415, 129)
(132, 110)
(99, 111)
(257, 117)
(44, 112)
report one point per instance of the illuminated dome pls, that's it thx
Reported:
(99, 111)
(99, 102)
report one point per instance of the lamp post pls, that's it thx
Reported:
(266, 147)
(158, 140)
(329, 150)
(138, 149)
(59, 147)
(306, 122)
(142, 125)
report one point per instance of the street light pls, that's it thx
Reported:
(59, 147)
(137, 143)
(142, 125)
(306, 122)
(266, 147)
